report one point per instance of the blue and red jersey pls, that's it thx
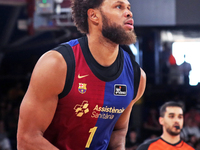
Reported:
(87, 111)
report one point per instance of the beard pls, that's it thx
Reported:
(116, 33)
(172, 133)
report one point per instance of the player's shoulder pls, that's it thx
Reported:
(188, 147)
(51, 57)
(145, 145)
(63, 51)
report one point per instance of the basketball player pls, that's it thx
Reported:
(171, 119)
(81, 93)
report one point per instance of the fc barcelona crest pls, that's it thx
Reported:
(82, 88)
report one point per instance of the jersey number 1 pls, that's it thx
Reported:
(92, 132)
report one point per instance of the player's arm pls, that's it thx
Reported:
(40, 101)
(118, 137)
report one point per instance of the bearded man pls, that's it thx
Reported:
(81, 93)
(171, 119)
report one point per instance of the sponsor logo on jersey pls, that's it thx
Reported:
(120, 90)
(106, 112)
(83, 76)
(82, 109)
(82, 88)
(97, 112)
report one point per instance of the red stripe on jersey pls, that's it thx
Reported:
(73, 118)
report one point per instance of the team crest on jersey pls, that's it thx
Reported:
(82, 88)
(120, 90)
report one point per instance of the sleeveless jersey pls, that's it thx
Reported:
(93, 98)
(160, 144)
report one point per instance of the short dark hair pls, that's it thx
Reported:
(169, 104)
(79, 12)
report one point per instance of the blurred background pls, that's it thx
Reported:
(168, 50)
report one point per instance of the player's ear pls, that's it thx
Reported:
(93, 15)
(161, 120)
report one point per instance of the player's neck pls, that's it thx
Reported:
(103, 51)
(170, 139)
